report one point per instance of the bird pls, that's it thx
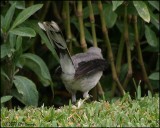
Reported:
(80, 72)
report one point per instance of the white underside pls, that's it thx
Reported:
(83, 84)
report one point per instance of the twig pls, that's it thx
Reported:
(45, 10)
(126, 38)
(80, 19)
(98, 87)
(118, 62)
(66, 19)
(140, 58)
(109, 49)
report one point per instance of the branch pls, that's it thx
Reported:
(45, 10)
(98, 87)
(140, 58)
(126, 38)
(118, 62)
(109, 49)
(66, 19)
(80, 19)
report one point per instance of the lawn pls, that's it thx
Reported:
(142, 112)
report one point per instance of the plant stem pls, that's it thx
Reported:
(66, 19)
(109, 49)
(118, 62)
(98, 87)
(140, 58)
(126, 38)
(120, 54)
(45, 10)
(92, 20)
(80, 19)
(9, 68)
(56, 11)
(69, 35)
(64, 15)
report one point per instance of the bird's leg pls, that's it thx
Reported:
(73, 97)
(86, 95)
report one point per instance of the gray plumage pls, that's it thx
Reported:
(80, 72)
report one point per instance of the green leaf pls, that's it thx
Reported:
(155, 84)
(142, 10)
(37, 65)
(6, 50)
(12, 40)
(8, 17)
(151, 37)
(154, 19)
(24, 31)
(130, 9)
(86, 11)
(157, 64)
(116, 4)
(149, 94)
(154, 76)
(123, 71)
(155, 4)
(18, 43)
(2, 23)
(5, 99)
(110, 16)
(25, 14)
(19, 51)
(88, 36)
(27, 90)
(139, 92)
(4, 74)
(19, 4)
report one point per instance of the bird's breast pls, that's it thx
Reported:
(82, 84)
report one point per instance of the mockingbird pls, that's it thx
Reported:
(80, 72)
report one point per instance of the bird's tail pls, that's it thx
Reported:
(56, 39)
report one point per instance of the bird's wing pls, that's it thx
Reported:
(90, 67)
(84, 57)
(56, 39)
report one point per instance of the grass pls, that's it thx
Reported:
(143, 112)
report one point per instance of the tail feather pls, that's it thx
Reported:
(56, 39)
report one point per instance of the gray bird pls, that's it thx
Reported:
(80, 72)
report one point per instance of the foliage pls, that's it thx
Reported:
(13, 56)
(118, 113)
